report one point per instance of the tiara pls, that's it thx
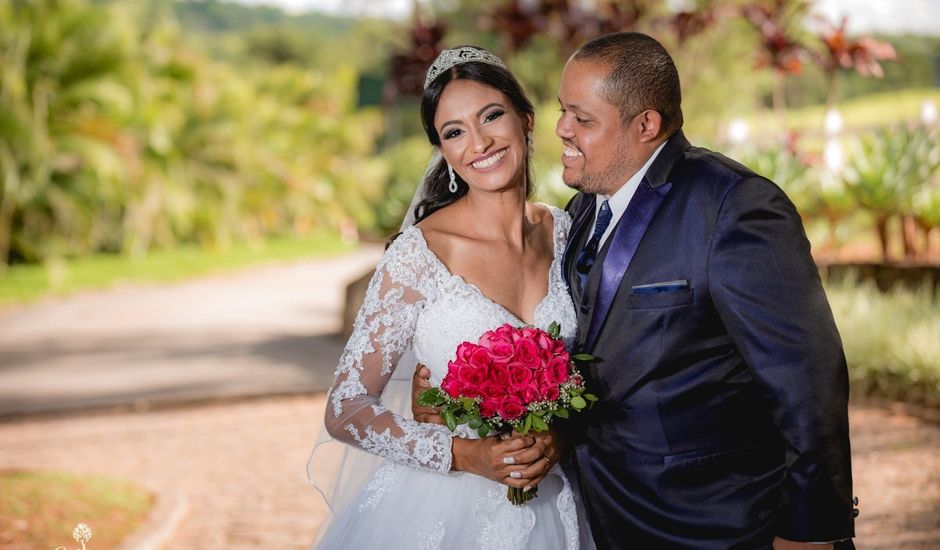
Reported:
(450, 58)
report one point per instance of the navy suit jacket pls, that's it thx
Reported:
(722, 419)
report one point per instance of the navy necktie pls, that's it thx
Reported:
(586, 257)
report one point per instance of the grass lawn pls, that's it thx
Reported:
(27, 283)
(859, 114)
(42, 509)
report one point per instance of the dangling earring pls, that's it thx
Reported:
(453, 180)
(528, 142)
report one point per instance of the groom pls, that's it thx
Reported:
(723, 420)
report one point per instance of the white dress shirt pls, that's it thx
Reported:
(619, 201)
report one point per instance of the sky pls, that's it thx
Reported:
(891, 16)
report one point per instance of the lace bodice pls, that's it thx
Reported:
(413, 301)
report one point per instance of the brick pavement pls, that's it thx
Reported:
(240, 468)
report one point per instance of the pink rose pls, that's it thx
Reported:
(557, 370)
(519, 375)
(511, 408)
(480, 358)
(550, 393)
(559, 347)
(464, 350)
(530, 394)
(545, 341)
(471, 391)
(489, 407)
(502, 353)
(499, 374)
(451, 385)
(472, 376)
(491, 389)
(500, 335)
(527, 353)
(506, 333)
(529, 332)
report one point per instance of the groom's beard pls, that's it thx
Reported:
(606, 181)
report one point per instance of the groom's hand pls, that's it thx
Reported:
(784, 544)
(420, 382)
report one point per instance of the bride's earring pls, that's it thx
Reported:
(453, 180)
(528, 142)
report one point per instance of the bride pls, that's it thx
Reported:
(475, 254)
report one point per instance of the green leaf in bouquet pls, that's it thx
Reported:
(591, 397)
(527, 425)
(450, 420)
(475, 423)
(554, 329)
(483, 430)
(467, 403)
(562, 413)
(586, 357)
(463, 419)
(538, 424)
(578, 402)
(434, 397)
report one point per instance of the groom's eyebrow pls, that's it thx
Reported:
(480, 112)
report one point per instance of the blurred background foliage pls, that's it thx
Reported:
(136, 127)
(139, 125)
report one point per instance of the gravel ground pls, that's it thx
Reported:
(237, 469)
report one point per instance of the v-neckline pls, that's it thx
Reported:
(552, 266)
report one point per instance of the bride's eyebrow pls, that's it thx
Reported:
(479, 113)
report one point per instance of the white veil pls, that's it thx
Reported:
(338, 470)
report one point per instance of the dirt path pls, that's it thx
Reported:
(237, 469)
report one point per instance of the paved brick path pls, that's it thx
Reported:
(234, 471)
(240, 469)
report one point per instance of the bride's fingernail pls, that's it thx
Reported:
(527, 488)
(515, 475)
(509, 460)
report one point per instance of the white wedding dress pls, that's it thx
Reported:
(413, 501)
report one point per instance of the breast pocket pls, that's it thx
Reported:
(661, 295)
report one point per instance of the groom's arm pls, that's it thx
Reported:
(767, 292)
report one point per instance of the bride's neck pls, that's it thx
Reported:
(499, 216)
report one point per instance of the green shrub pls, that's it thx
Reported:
(892, 340)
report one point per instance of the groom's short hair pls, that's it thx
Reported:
(642, 76)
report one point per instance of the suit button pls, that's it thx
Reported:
(854, 512)
(855, 501)
(585, 308)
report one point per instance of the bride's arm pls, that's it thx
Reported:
(383, 331)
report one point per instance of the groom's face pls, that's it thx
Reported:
(598, 156)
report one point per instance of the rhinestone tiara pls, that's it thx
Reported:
(465, 54)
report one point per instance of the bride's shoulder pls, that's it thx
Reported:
(556, 218)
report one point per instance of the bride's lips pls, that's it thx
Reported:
(489, 161)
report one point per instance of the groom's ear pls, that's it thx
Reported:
(650, 125)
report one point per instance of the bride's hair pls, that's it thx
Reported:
(437, 195)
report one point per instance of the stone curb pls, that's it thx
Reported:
(160, 525)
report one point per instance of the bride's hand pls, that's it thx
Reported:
(540, 457)
(517, 460)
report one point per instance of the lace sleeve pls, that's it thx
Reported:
(382, 333)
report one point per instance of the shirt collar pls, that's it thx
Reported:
(619, 201)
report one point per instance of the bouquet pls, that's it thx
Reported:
(513, 378)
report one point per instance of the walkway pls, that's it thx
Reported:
(230, 473)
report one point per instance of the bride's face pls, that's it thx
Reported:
(482, 136)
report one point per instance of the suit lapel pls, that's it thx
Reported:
(624, 242)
